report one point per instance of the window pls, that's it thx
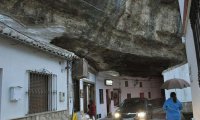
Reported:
(126, 83)
(101, 96)
(140, 84)
(128, 95)
(42, 92)
(149, 94)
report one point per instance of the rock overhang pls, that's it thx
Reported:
(140, 38)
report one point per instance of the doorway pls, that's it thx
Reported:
(76, 95)
(108, 101)
(89, 94)
(142, 95)
(116, 97)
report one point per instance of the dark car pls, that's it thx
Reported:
(135, 109)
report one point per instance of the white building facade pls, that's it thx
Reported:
(33, 78)
(184, 95)
(189, 12)
(123, 88)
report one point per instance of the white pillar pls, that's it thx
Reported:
(87, 92)
(71, 104)
(1, 70)
(81, 95)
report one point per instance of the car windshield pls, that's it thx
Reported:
(133, 102)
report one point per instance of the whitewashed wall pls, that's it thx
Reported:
(92, 77)
(15, 61)
(191, 56)
(152, 86)
(182, 72)
(1, 72)
(101, 108)
(192, 63)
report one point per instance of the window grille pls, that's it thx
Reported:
(42, 92)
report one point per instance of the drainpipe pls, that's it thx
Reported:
(68, 90)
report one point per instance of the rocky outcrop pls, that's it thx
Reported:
(133, 37)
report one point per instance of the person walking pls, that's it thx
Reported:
(173, 107)
(92, 110)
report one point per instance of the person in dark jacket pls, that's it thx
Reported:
(92, 109)
(172, 107)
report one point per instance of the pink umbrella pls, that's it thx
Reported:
(175, 83)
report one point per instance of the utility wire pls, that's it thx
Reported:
(119, 6)
(93, 6)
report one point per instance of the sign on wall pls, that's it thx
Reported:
(108, 82)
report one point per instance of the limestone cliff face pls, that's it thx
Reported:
(133, 37)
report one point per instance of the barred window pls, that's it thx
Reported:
(42, 92)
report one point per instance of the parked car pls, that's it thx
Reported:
(135, 109)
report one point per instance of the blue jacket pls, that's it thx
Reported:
(172, 109)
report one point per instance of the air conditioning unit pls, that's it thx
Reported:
(80, 69)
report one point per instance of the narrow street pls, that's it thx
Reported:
(130, 119)
(81, 59)
(158, 114)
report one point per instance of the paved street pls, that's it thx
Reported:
(111, 119)
(158, 114)
(151, 119)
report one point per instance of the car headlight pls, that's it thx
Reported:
(141, 114)
(117, 115)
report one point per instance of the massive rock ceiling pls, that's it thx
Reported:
(132, 37)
